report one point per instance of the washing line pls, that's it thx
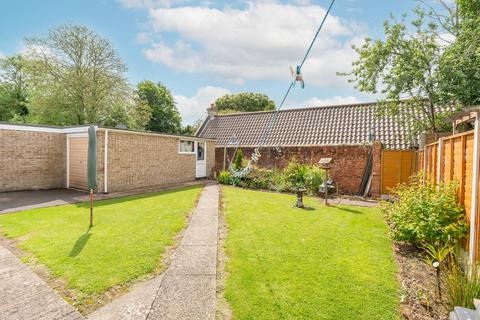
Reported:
(256, 154)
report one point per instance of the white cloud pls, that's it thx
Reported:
(142, 38)
(193, 108)
(2, 55)
(260, 41)
(150, 3)
(335, 100)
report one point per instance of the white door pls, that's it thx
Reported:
(201, 167)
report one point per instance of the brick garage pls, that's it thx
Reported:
(31, 160)
(40, 157)
(139, 160)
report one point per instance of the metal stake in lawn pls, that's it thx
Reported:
(92, 166)
(91, 208)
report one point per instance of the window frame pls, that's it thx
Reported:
(187, 152)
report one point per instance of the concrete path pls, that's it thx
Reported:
(187, 289)
(23, 295)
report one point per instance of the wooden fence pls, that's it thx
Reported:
(452, 159)
(397, 167)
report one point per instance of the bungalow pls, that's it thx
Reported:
(371, 154)
(47, 157)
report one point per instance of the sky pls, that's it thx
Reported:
(202, 50)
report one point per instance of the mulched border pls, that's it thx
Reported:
(419, 299)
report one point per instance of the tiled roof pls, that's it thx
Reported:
(331, 125)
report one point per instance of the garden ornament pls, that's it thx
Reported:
(297, 75)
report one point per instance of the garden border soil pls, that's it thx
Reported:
(418, 287)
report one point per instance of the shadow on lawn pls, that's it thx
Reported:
(120, 199)
(348, 210)
(80, 243)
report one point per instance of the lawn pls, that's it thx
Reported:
(127, 240)
(331, 262)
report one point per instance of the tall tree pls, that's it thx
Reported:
(77, 78)
(404, 67)
(13, 89)
(164, 114)
(244, 102)
(190, 129)
(460, 64)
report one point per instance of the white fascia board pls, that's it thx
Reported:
(16, 127)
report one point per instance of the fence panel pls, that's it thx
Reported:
(397, 167)
(456, 164)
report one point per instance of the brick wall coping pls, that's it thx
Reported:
(81, 129)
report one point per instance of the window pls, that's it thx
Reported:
(186, 146)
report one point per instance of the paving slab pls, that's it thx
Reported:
(135, 305)
(200, 232)
(194, 260)
(24, 295)
(185, 297)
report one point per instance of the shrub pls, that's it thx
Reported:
(425, 212)
(258, 179)
(225, 177)
(314, 178)
(278, 182)
(295, 175)
(238, 160)
(462, 286)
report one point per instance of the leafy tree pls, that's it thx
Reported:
(244, 102)
(139, 115)
(164, 115)
(13, 89)
(404, 67)
(190, 129)
(77, 78)
(460, 64)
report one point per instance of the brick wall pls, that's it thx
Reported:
(144, 160)
(347, 172)
(32, 160)
(101, 160)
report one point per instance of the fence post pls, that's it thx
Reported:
(439, 161)
(474, 207)
(424, 164)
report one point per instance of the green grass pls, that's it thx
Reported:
(127, 240)
(324, 263)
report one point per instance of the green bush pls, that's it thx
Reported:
(425, 212)
(238, 160)
(225, 177)
(258, 179)
(314, 178)
(295, 175)
(278, 182)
